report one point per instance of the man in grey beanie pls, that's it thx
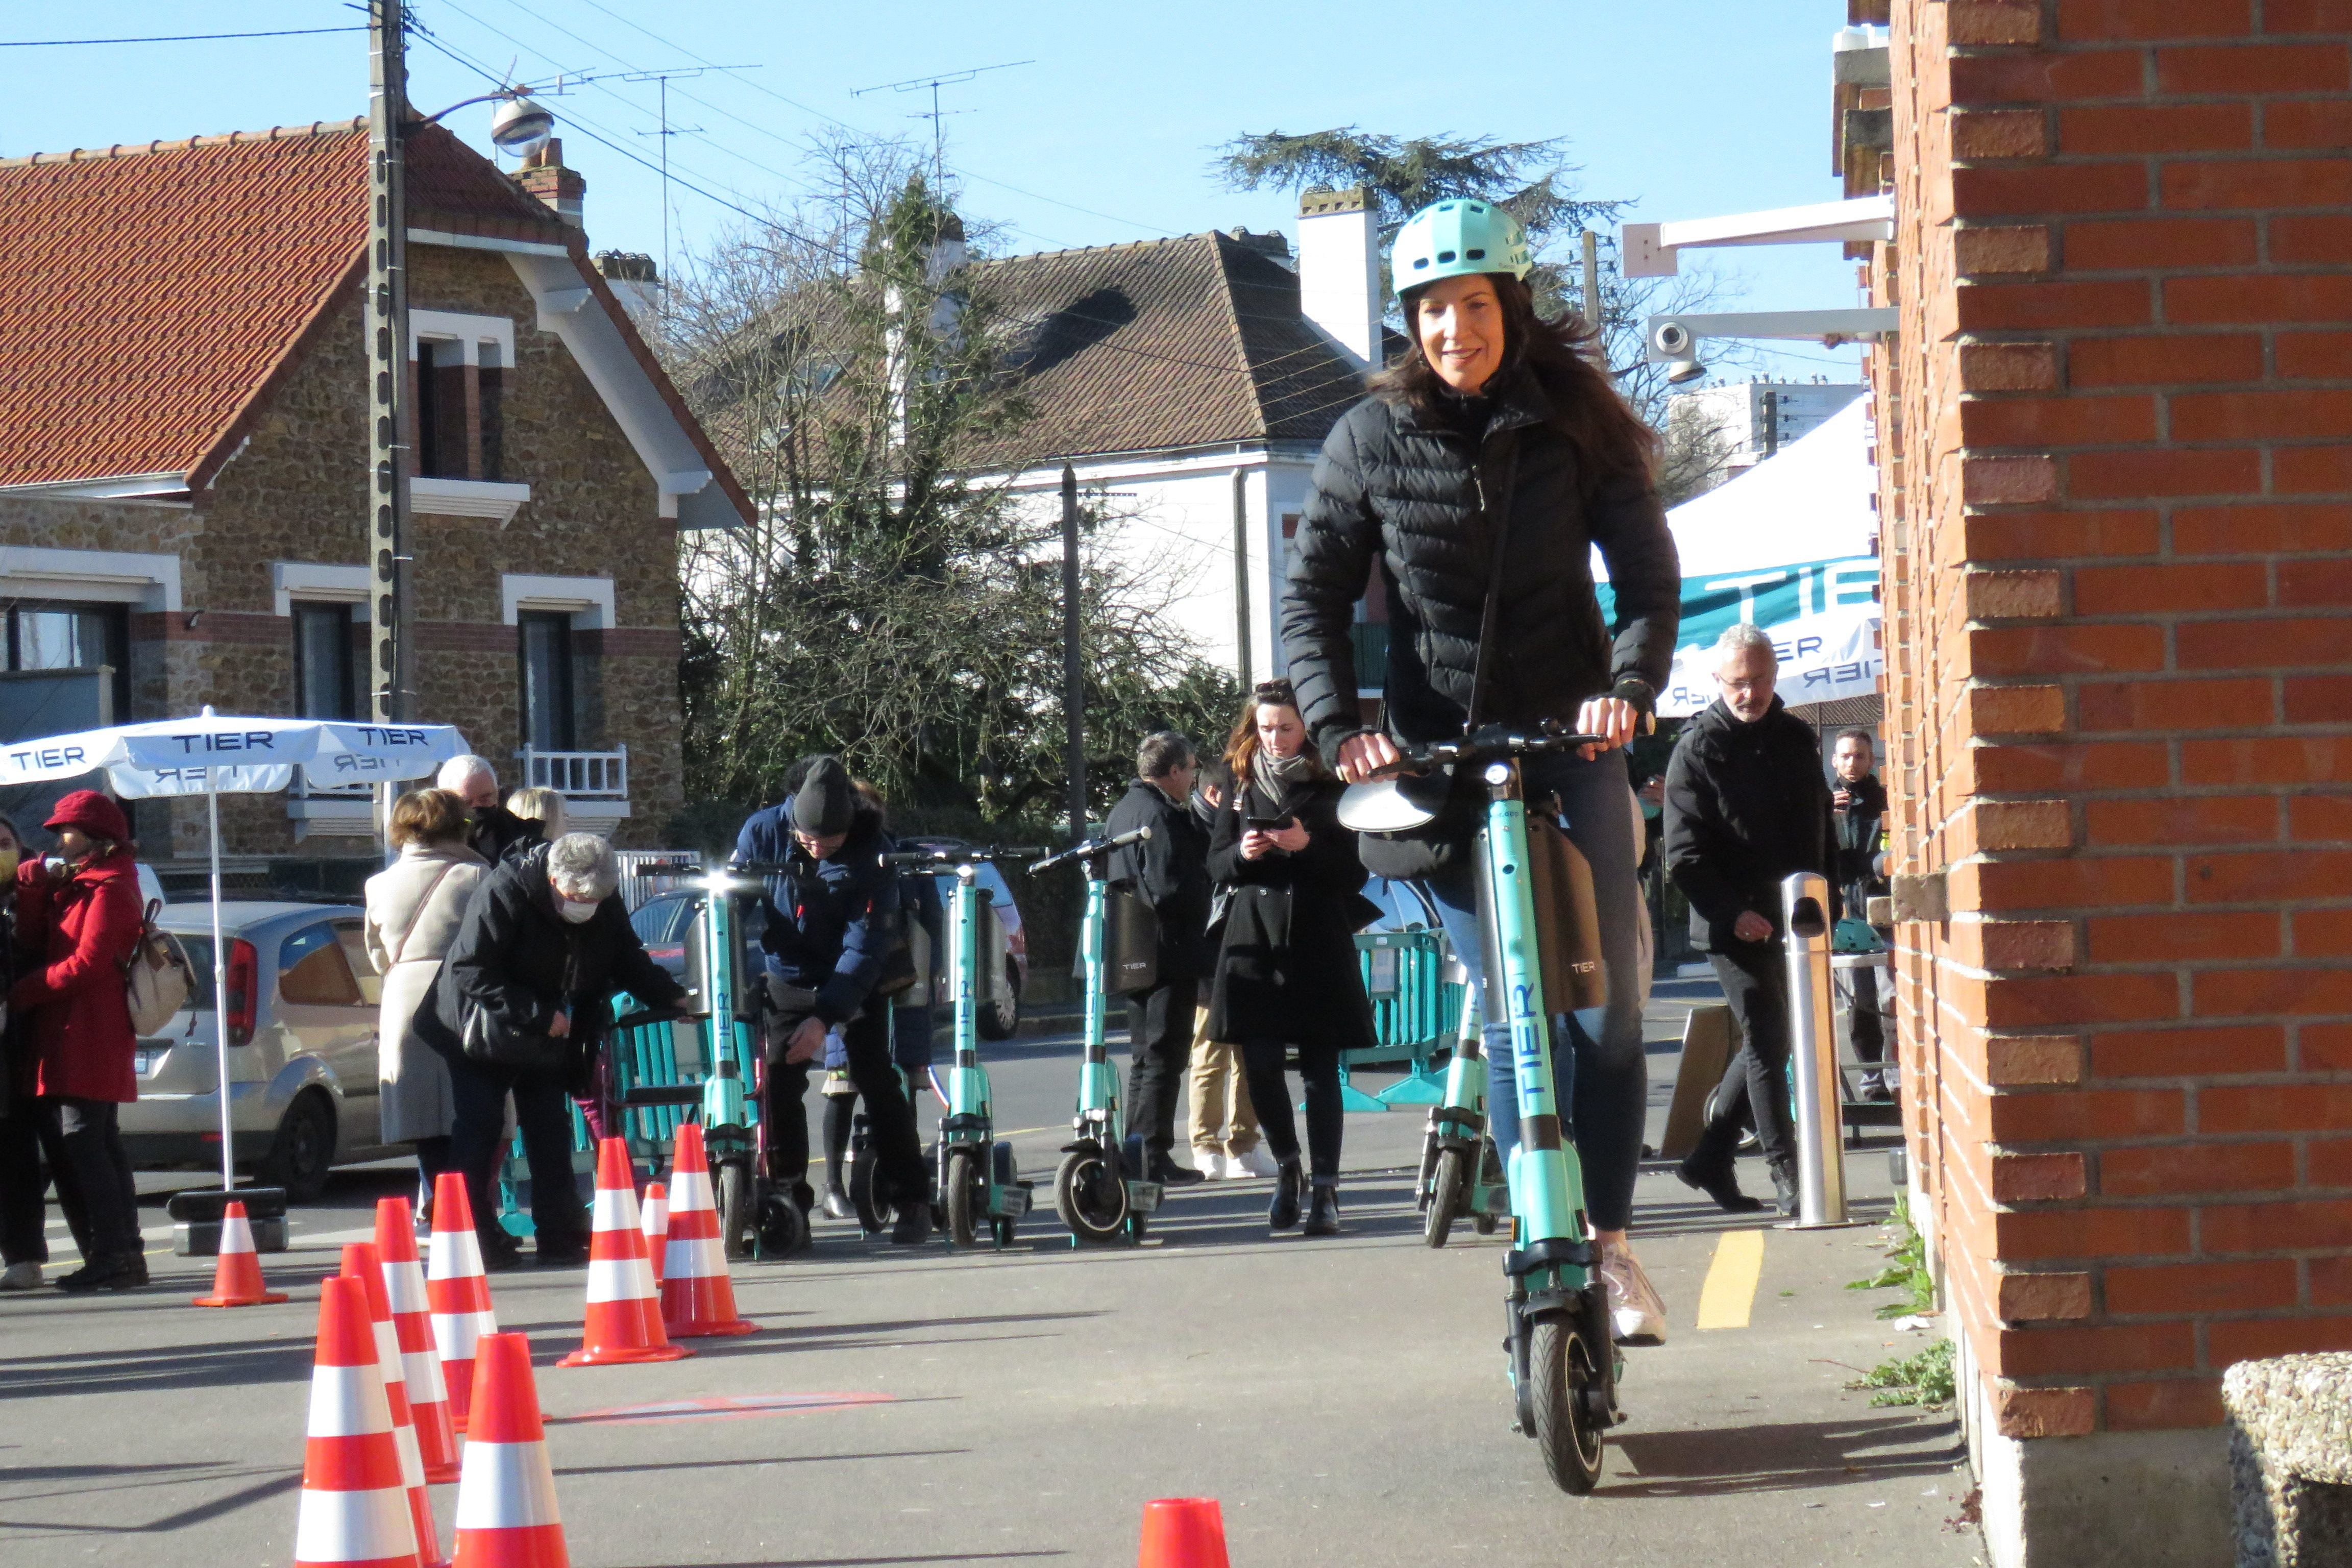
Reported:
(832, 917)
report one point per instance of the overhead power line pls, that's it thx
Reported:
(168, 39)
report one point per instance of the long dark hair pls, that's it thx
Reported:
(1584, 407)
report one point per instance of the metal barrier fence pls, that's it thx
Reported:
(1416, 1008)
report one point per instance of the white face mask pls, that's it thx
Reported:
(572, 909)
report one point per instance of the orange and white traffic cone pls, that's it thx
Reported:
(412, 1321)
(624, 1320)
(698, 1298)
(361, 1262)
(656, 1227)
(1183, 1533)
(506, 1505)
(354, 1508)
(236, 1277)
(457, 1291)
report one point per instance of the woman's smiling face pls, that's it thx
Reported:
(1459, 324)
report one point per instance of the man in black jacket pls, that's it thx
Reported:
(1747, 805)
(1169, 872)
(491, 830)
(1860, 803)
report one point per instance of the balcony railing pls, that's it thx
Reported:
(578, 775)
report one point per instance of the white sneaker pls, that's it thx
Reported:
(1210, 1164)
(21, 1277)
(1255, 1162)
(1636, 1314)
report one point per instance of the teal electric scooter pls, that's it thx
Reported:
(1095, 1195)
(980, 1184)
(1460, 1176)
(1564, 1364)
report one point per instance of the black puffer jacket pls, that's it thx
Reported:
(1745, 806)
(1411, 494)
(1169, 872)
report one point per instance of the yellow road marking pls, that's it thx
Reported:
(1730, 1294)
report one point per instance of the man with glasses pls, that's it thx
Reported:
(1747, 805)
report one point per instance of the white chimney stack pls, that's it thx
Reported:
(1340, 270)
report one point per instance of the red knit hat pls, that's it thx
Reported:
(92, 813)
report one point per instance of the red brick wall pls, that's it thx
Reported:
(2116, 437)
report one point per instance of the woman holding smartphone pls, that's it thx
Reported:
(1286, 970)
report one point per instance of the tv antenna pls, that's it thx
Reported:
(937, 115)
(667, 131)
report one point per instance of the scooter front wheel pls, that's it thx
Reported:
(734, 1196)
(1453, 1175)
(966, 1199)
(875, 1213)
(1089, 1195)
(1568, 1396)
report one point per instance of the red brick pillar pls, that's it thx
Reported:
(2116, 461)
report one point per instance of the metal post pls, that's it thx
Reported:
(1073, 692)
(391, 682)
(1592, 280)
(1241, 576)
(1812, 1048)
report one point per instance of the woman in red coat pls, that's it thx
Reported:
(75, 923)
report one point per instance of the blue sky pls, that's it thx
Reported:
(1686, 108)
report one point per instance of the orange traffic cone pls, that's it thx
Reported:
(411, 1324)
(355, 1507)
(1183, 1533)
(624, 1320)
(697, 1299)
(457, 1291)
(506, 1504)
(656, 1227)
(360, 1262)
(236, 1277)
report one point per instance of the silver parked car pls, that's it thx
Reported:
(302, 1047)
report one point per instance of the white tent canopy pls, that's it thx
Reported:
(1788, 545)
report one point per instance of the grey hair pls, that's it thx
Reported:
(1162, 752)
(583, 867)
(458, 771)
(1744, 634)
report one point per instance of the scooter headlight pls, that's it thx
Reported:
(1498, 773)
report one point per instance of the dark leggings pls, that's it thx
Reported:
(1318, 1068)
(93, 1173)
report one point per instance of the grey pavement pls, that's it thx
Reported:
(1345, 1398)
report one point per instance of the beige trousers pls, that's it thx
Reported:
(1223, 1122)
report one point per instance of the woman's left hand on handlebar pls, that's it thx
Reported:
(1611, 716)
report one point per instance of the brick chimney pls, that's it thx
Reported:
(1339, 269)
(543, 175)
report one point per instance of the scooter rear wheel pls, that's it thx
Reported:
(1089, 1195)
(1568, 1393)
(1453, 1175)
(732, 1181)
(966, 1198)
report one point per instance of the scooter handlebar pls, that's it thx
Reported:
(961, 857)
(1092, 850)
(1494, 742)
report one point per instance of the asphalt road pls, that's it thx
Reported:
(1344, 1397)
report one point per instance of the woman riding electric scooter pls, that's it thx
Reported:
(1486, 467)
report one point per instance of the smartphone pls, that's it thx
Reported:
(1267, 823)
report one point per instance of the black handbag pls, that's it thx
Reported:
(1443, 843)
(493, 1043)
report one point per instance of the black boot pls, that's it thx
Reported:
(1288, 1180)
(914, 1226)
(112, 1271)
(1323, 1209)
(1784, 1189)
(1714, 1173)
(1169, 1174)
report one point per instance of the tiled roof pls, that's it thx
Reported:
(1192, 341)
(149, 293)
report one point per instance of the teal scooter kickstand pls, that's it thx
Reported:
(1564, 1364)
(1460, 1176)
(980, 1184)
(1095, 1197)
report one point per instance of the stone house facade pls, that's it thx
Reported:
(183, 452)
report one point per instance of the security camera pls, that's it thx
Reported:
(1672, 340)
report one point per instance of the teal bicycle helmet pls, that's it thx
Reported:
(1457, 238)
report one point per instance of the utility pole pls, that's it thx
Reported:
(1074, 693)
(390, 667)
(1591, 280)
(1241, 574)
